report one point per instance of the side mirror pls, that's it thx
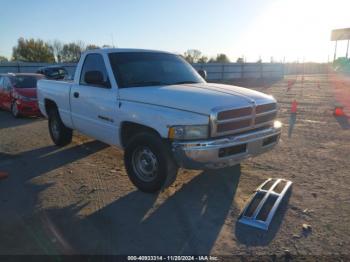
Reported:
(203, 73)
(94, 78)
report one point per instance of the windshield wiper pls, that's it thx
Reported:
(146, 83)
(185, 82)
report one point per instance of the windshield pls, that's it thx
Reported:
(137, 69)
(25, 81)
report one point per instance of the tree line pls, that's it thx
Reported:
(195, 56)
(37, 50)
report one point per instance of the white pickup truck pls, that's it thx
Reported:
(162, 112)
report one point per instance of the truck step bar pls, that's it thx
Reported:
(263, 205)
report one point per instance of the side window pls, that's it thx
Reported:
(94, 62)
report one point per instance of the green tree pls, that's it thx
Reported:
(203, 59)
(57, 47)
(3, 59)
(91, 47)
(222, 58)
(240, 60)
(71, 52)
(342, 64)
(342, 61)
(192, 55)
(31, 50)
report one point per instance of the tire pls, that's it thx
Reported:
(149, 162)
(59, 133)
(14, 110)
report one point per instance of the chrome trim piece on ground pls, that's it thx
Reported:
(270, 189)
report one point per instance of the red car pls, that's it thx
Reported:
(18, 94)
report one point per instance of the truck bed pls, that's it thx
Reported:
(57, 91)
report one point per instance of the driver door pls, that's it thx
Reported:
(94, 107)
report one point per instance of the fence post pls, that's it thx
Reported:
(222, 72)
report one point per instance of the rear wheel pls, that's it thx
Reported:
(14, 110)
(149, 162)
(60, 134)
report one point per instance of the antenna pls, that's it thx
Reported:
(112, 37)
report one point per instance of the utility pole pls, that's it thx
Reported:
(335, 51)
(347, 50)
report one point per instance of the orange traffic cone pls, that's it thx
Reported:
(338, 111)
(3, 175)
(294, 106)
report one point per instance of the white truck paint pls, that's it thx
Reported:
(101, 113)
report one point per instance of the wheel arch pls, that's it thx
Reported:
(49, 104)
(128, 129)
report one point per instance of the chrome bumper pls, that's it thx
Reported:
(226, 151)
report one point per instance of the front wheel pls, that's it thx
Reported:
(60, 134)
(14, 110)
(149, 163)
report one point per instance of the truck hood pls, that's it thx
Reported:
(200, 98)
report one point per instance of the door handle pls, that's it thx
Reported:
(76, 94)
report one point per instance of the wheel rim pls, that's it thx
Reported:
(14, 109)
(145, 164)
(54, 128)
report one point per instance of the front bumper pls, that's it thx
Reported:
(226, 151)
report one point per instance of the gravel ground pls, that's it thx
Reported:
(79, 200)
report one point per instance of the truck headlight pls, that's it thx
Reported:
(277, 124)
(188, 132)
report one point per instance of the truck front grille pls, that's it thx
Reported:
(225, 127)
(234, 113)
(265, 118)
(265, 107)
(237, 120)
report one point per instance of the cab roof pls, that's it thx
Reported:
(123, 50)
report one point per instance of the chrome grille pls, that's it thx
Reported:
(265, 108)
(224, 127)
(265, 118)
(225, 121)
(234, 113)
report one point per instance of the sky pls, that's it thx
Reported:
(287, 30)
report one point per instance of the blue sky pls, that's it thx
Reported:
(290, 29)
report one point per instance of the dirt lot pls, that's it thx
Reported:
(78, 199)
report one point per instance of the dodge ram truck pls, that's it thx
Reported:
(161, 112)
